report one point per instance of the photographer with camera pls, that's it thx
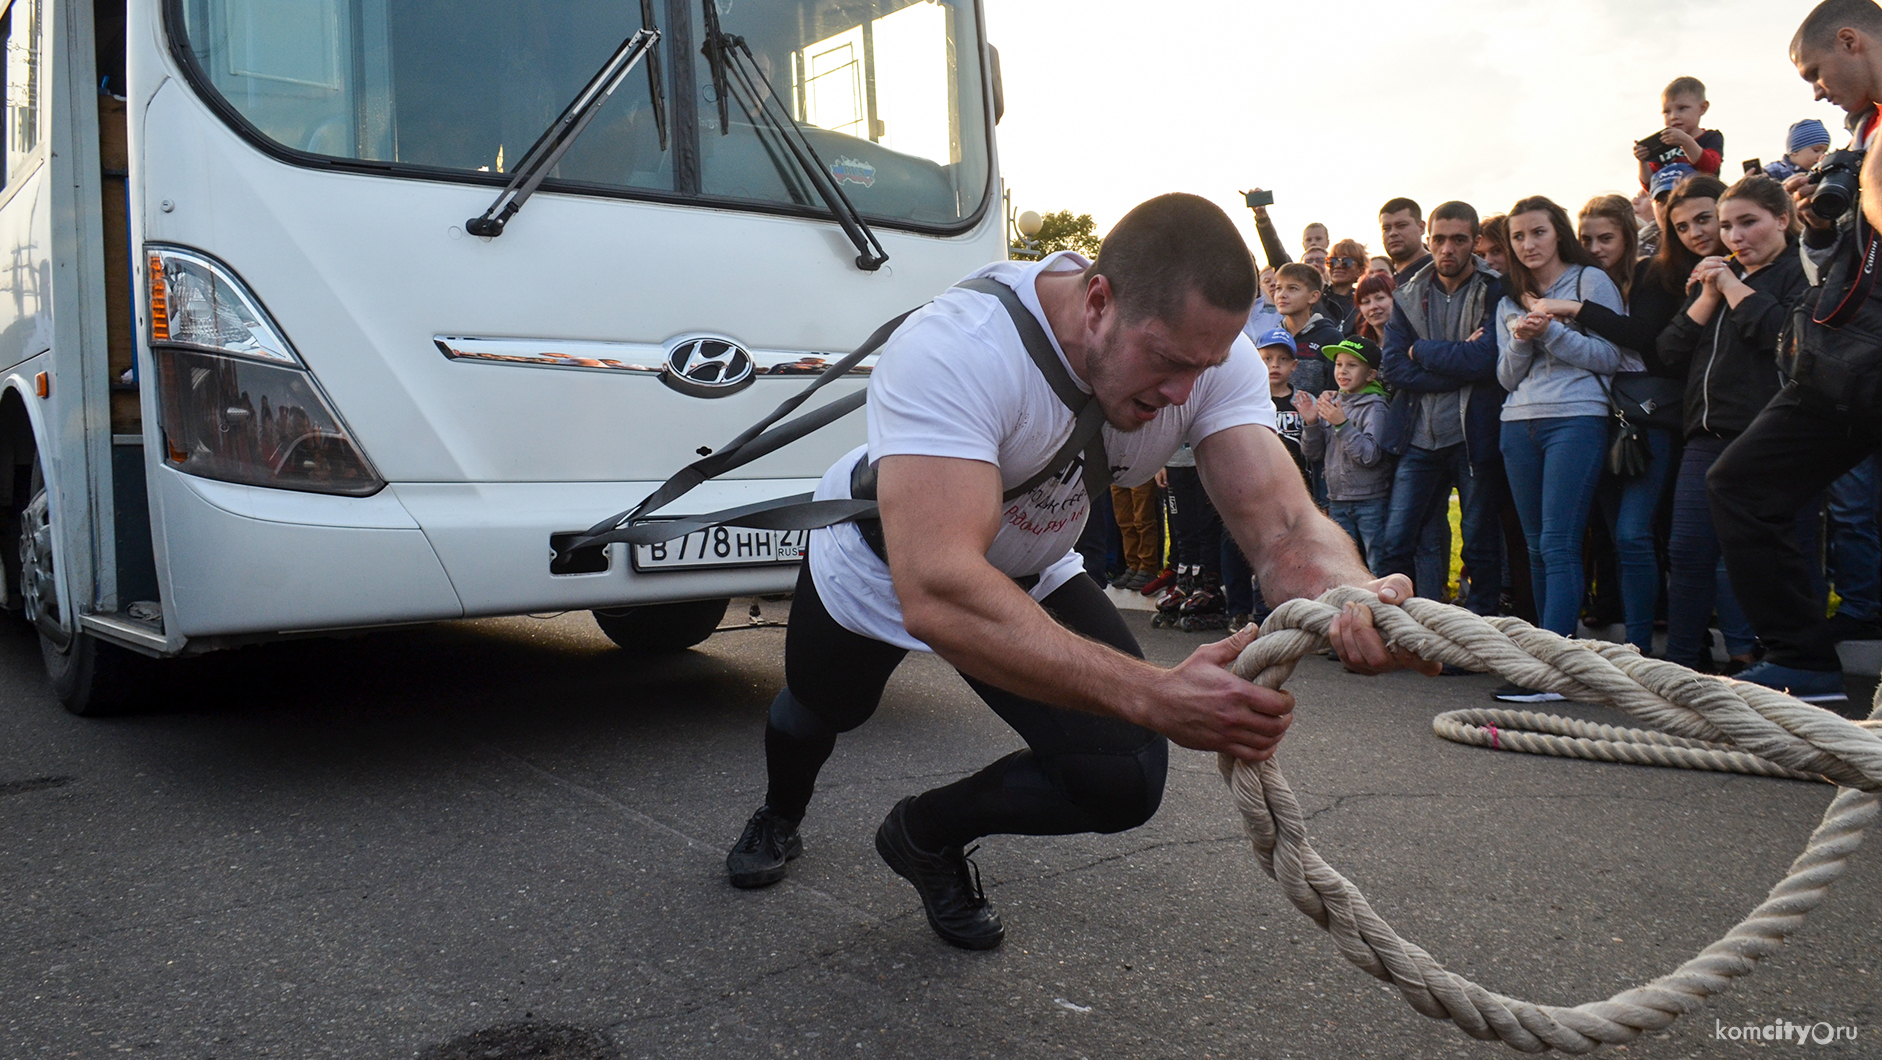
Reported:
(1828, 417)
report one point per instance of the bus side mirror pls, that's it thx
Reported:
(999, 90)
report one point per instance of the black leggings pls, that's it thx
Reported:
(1195, 524)
(1080, 772)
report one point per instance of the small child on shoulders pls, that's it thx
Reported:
(1682, 105)
(1805, 146)
(1345, 429)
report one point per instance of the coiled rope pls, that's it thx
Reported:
(1704, 715)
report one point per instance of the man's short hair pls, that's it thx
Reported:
(1169, 246)
(1684, 86)
(1458, 211)
(1820, 25)
(1305, 273)
(1400, 205)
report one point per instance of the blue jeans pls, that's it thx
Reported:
(1855, 545)
(1553, 467)
(1363, 521)
(1420, 490)
(1632, 529)
(1239, 595)
(1432, 561)
(1696, 580)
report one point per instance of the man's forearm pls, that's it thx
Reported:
(1306, 559)
(1296, 550)
(988, 628)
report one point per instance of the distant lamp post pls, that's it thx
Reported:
(1020, 230)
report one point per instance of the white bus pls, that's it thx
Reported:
(273, 363)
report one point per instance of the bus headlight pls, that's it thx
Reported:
(237, 403)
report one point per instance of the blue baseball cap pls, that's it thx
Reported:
(1277, 337)
(1807, 133)
(1668, 177)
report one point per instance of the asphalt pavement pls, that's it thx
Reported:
(479, 839)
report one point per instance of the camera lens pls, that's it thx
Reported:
(1833, 196)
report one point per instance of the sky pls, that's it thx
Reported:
(1339, 105)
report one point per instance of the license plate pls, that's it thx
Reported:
(723, 546)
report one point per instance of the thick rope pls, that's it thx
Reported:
(1706, 713)
(1552, 734)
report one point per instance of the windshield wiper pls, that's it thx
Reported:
(559, 137)
(734, 67)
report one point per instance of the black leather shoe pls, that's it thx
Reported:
(949, 885)
(762, 855)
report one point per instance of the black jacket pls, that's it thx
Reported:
(1731, 360)
(1650, 308)
(1340, 309)
(1312, 371)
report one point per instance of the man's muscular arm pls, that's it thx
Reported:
(939, 517)
(1295, 550)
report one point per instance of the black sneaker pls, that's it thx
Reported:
(949, 885)
(762, 855)
(1515, 693)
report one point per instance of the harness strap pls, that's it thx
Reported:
(800, 512)
(755, 441)
(1087, 413)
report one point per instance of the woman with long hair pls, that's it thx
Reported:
(1655, 293)
(1555, 423)
(1373, 301)
(1725, 339)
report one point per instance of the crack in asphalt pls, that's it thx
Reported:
(1119, 856)
(650, 822)
(595, 796)
(21, 787)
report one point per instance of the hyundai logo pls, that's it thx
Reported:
(707, 368)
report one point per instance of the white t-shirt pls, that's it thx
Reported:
(955, 381)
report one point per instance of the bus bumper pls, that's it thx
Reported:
(251, 560)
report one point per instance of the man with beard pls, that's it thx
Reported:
(970, 410)
(1440, 357)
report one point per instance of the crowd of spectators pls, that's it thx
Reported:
(1552, 389)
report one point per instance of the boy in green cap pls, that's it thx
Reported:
(1344, 429)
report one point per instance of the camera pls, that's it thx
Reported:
(1256, 199)
(1835, 178)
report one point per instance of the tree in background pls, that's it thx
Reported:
(1062, 231)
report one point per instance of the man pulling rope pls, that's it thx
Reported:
(975, 398)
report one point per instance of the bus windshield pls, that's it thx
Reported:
(888, 91)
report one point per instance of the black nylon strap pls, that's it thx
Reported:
(755, 441)
(1089, 416)
(800, 512)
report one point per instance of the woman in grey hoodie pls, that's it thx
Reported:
(1555, 423)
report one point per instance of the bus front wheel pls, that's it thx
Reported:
(659, 629)
(91, 678)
